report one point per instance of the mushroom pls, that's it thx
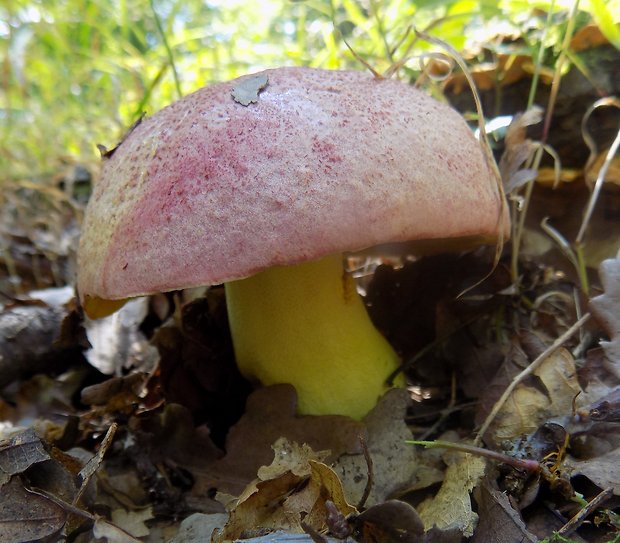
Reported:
(262, 183)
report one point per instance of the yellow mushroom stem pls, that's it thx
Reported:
(306, 325)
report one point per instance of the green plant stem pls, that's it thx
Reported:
(539, 57)
(518, 463)
(162, 33)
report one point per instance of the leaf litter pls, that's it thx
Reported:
(163, 463)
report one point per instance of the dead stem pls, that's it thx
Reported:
(585, 512)
(518, 463)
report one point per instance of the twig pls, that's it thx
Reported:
(445, 412)
(583, 513)
(370, 480)
(526, 372)
(93, 464)
(518, 463)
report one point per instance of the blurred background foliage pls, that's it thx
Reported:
(77, 73)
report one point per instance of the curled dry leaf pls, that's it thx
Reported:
(19, 453)
(518, 149)
(270, 414)
(291, 457)
(451, 507)
(606, 310)
(295, 493)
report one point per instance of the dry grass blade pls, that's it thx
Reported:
(613, 150)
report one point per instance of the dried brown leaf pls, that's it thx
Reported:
(603, 471)
(499, 521)
(284, 502)
(291, 457)
(606, 310)
(534, 402)
(19, 453)
(270, 415)
(394, 465)
(26, 516)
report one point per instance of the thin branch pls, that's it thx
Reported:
(525, 464)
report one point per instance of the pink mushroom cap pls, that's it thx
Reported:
(209, 190)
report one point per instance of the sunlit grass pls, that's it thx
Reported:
(78, 73)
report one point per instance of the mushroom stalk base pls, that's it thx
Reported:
(306, 325)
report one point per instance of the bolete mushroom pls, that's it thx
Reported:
(262, 183)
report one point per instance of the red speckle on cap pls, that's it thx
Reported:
(208, 190)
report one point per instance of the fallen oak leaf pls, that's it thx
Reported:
(394, 462)
(290, 457)
(257, 507)
(269, 415)
(309, 504)
(530, 405)
(499, 405)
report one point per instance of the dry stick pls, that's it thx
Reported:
(526, 372)
(524, 464)
(581, 516)
(370, 480)
(93, 464)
